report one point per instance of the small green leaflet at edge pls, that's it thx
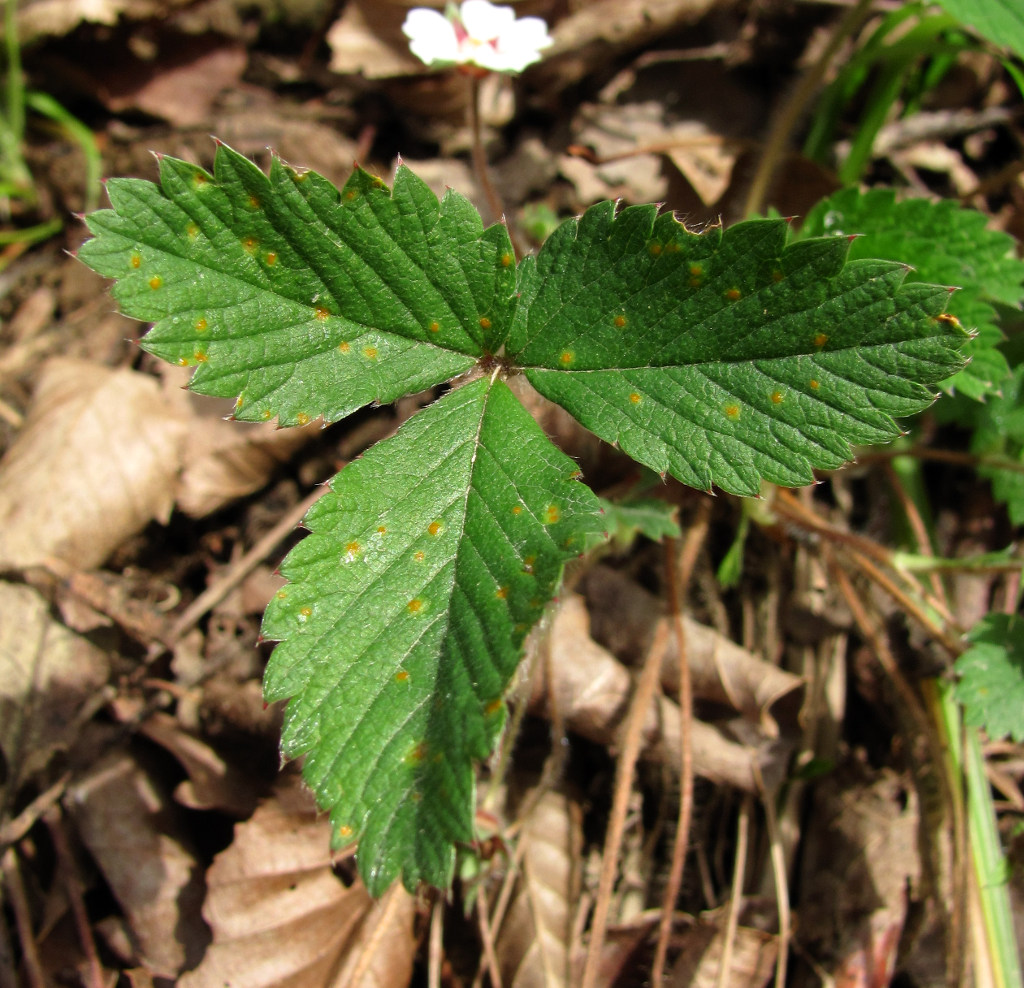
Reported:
(991, 686)
(426, 566)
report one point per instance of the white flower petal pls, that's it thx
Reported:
(431, 36)
(484, 21)
(527, 32)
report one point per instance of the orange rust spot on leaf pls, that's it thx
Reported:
(401, 676)
(552, 513)
(506, 260)
(814, 384)
(567, 357)
(620, 321)
(418, 557)
(418, 753)
(302, 418)
(732, 411)
(281, 595)
(696, 270)
(199, 357)
(414, 606)
(155, 282)
(271, 258)
(778, 397)
(370, 352)
(434, 527)
(948, 318)
(517, 509)
(655, 249)
(352, 194)
(485, 323)
(321, 313)
(820, 339)
(254, 203)
(344, 347)
(306, 611)
(192, 230)
(352, 550)
(381, 529)
(136, 261)
(434, 327)
(501, 593)
(528, 564)
(635, 398)
(733, 294)
(201, 325)
(344, 831)
(266, 414)
(493, 707)
(250, 244)
(198, 178)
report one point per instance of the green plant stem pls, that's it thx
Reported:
(795, 107)
(483, 175)
(990, 867)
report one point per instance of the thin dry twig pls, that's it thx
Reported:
(632, 742)
(679, 568)
(736, 893)
(73, 886)
(13, 831)
(15, 889)
(238, 571)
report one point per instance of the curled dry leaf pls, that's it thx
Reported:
(701, 955)
(227, 460)
(212, 783)
(281, 917)
(46, 674)
(94, 464)
(129, 825)
(533, 943)
(624, 620)
(592, 689)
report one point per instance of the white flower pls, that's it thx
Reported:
(479, 34)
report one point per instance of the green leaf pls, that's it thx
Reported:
(991, 671)
(646, 516)
(726, 357)
(297, 299)
(999, 21)
(999, 433)
(945, 244)
(426, 565)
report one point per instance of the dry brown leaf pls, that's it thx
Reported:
(128, 824)
(592, 690)
(700, 957)
(704, 158)
(861, 862)
(95, 462)
(212, 783)
(282, 918)
(624, 619)
(58, 17)
(179, 84)
(227, 460)
(46, 674)
(534, 941)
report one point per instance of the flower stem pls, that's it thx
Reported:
(480, 164)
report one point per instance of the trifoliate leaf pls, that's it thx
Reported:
(991, 671)
(947, 245)
(726, 357)
(300, 300)
(428, 562)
